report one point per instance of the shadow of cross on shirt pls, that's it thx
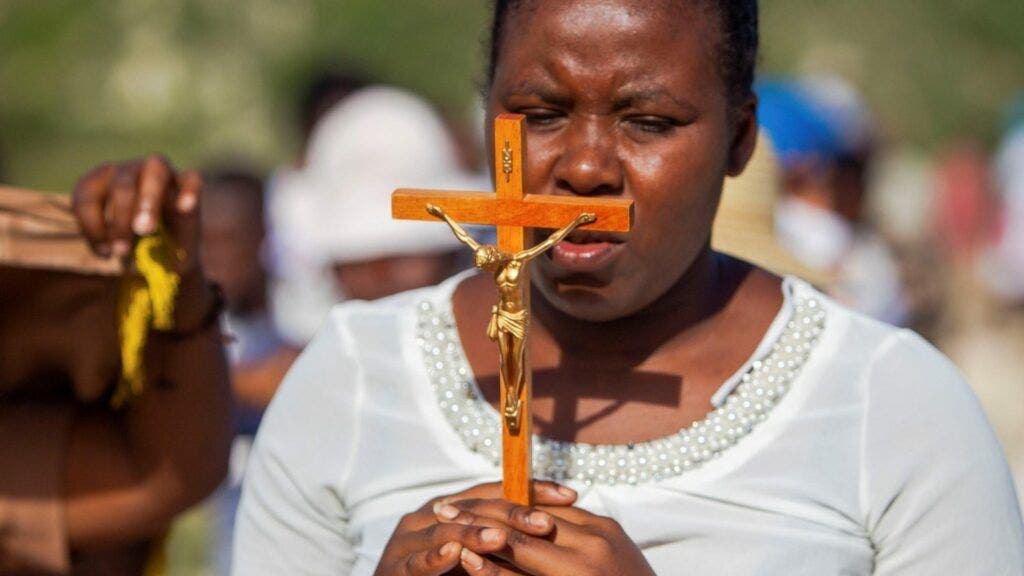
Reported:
(652, 388)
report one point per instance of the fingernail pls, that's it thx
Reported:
(448, 548)
(469, 557)
(566, 491)
(447, 511)
(121, 248)
(538, 519)
(491, 535)
(143, 223)
(186, 202)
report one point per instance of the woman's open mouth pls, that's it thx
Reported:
(586, 251)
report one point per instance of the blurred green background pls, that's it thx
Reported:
(86, 80)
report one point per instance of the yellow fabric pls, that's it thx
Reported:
(146, 302)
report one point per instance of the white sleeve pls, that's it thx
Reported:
(935, 487)
(292, 519)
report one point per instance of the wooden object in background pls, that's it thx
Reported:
(37, 230)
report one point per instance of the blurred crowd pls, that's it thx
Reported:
(287, 247)
(931, 244)
(934, 244)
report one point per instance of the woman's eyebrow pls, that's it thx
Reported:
(544, 91)
(631, 96)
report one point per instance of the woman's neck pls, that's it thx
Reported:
(681, 316)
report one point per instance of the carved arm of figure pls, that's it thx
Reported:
(459, 231)
(531, 253)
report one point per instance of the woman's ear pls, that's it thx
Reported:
(744, 138)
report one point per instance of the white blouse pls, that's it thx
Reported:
(844, 446)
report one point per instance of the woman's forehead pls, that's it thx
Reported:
(568, 18)
(629, 44)
(589, 31)
(611, 15)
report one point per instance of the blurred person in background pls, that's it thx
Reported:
(745, 222)
(1003, 266)
(825, 138)
(321, 94)
(234, 234)
(88, 489)
(1004, 274)
(965, 211)
(300, 289)
(334, 238)
(985, 308)
(233, 239)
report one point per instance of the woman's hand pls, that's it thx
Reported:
(423, 546)
(580, 543)
(115, 203)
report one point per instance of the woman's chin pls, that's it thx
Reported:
(584, 300)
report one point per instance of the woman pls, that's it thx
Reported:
(711, 417)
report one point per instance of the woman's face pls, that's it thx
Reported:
(623, 98)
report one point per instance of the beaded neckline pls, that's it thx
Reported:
(759, 389)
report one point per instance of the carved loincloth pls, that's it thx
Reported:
(513, 323)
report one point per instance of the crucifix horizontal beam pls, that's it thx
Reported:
(534, 210)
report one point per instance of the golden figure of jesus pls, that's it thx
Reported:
(509, 323)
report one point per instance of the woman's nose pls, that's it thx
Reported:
(589, 164)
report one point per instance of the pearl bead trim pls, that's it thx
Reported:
(760, 389)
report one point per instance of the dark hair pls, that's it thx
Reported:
(738, 51)
(324, 91)
(238, 179)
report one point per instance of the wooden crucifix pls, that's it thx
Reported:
(512, 211)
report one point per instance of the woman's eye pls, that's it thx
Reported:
(652, 124)
(541, 117)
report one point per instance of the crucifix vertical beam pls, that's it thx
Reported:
(516, 446)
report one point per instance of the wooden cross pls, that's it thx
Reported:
(513, 212)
